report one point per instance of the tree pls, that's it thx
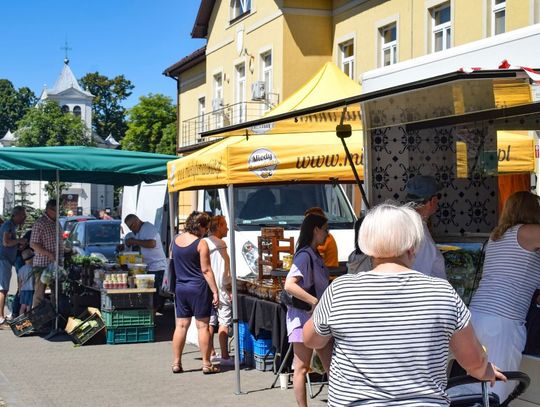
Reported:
(151, 125)
(13, 105)
(47, 125)
(22, 195)
(109, 117)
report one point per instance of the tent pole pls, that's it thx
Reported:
(232, 251)
(56, 331)
(172, 215)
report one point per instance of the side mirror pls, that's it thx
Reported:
(75, 243)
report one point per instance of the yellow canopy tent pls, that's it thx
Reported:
(327, 85)
(305, 157)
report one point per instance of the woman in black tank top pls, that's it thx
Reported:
(196, 289)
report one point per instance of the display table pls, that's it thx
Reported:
(267, 315)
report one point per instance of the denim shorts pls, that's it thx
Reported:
(5, 274)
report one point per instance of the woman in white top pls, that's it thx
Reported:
(393, 326)
(510, 276)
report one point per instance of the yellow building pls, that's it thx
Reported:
(259, 52)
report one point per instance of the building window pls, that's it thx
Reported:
(498, 16)
(441, 37)
(77, 111)
(388, 48)
(201, 112)
(240, 94)
(346, 58)
(217, 101)
(266, 77)
(239, 8)
(65, 109)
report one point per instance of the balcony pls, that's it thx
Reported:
(231, 114)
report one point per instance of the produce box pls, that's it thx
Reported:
(86, 326)
(34, 319)
(112, 300)
(128, 317)
(133, 334)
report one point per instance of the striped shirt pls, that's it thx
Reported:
(391, 338)
(510, 276)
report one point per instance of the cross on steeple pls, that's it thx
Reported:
(66, 49)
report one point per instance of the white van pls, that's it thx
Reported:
(279, 205)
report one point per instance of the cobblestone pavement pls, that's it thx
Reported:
(38, 372)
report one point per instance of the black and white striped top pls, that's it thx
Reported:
(391, 333)
(510, 276)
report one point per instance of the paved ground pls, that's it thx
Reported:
(41, 373)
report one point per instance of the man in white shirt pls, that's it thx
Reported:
(423, 191)
(148, 239)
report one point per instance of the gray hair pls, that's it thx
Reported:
(389, 230)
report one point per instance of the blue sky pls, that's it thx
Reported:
(136, 38)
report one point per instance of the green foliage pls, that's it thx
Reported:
(21, 194)
(50, 189)
(46, 125)
(151, 125)
(167, 144)
(109, 117)
(13, 105)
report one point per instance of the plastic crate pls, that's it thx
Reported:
(34, 319)
(264, 364)
(130, 317)
(112, 302)
(132, 334)
(262, 347)
(244, 338)
(91, 324)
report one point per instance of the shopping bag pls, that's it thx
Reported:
(168, 286)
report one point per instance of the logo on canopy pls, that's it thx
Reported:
(263, 162)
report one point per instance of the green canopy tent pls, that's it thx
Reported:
(81, 164)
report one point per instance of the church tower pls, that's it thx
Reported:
(70, 96)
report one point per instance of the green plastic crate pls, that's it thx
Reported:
(133, 334)
(128, 318)
(91, 324)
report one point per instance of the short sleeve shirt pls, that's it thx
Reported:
(391, 338)
(155, 258)
(26, 277)
(44, 233)
(8, 253)
(329, 252)
(317, 276)
(429, 259)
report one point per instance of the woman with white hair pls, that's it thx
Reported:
(393, 326)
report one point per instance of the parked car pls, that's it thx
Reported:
(67, 223)
(95, 236)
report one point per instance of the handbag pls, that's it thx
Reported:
(168, 285)
(291, 301)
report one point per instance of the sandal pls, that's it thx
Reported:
(210, 369)
(177, 368)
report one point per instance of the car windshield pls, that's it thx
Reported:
(102, 233)
(284, 205)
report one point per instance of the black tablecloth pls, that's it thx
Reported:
(267, 315)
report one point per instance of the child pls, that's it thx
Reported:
(26, 281)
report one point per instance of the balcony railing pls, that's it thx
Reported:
(225, 116)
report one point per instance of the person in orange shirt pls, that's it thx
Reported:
(328, 250)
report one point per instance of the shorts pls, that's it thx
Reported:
(5, 274)
(222, 316)
(193, 302)
(297, 335)
(26, 297)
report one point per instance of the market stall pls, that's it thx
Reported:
(302, 157)
(80, 164)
